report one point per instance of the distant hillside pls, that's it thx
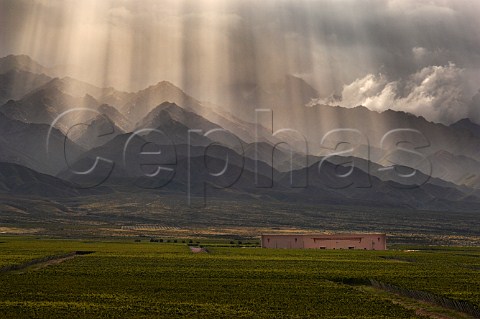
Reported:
(19, 180)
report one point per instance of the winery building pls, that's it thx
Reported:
(325, 241)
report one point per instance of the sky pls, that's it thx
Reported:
(417, 56)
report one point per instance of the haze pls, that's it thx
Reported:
(421, 57)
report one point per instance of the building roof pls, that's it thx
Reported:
(324, 234)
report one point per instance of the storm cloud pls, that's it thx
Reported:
(418, 56)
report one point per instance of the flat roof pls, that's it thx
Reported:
(323, 234)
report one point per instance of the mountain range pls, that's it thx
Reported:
(54, 130)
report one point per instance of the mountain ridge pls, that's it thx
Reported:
(167, 107)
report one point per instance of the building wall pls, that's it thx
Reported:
(323, 241)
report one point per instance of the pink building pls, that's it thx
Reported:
(325, 241)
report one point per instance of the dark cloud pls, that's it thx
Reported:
(204, 45)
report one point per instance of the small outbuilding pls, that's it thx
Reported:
(325, 241)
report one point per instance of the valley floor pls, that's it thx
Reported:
(162, 214)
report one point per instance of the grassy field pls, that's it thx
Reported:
(127, 279)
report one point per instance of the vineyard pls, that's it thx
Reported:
(128, 279)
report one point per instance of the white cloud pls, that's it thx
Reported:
(435, 92)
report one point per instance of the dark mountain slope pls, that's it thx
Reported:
(15, 83)
(19, 180)
(26, 144)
